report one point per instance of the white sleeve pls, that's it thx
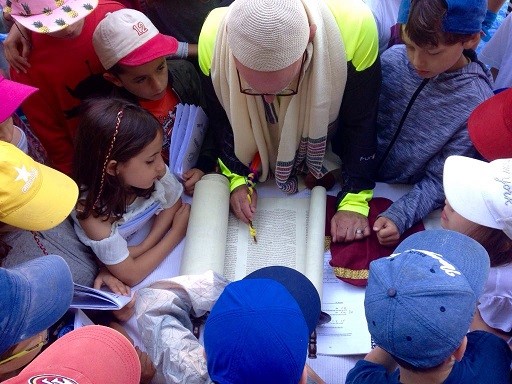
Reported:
(495, 304)
(111, 250)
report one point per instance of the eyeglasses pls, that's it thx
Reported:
(43, 341)
(288, 91)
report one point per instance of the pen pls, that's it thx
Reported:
(252, 230)
(249, 181)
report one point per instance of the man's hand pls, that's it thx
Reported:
(240, 205)
(16, 42)
(190, 178)
(387, 231)
(348, 226)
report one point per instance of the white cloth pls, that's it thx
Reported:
(386, 14)
(497, 53)
(114, 249)
(163, 315)
(496, 302)
(303, 118)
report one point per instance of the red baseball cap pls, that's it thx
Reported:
(89, 355)
(490, 126)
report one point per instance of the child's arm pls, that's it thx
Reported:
(133, 270)
(17, 47)
(160, 227)
(387, 231)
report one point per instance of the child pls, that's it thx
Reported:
(258, 330)
(133, 53)
(124, 183)
(419, 304)
(61, 56)
(430, 86)
(478, 205)
(18, 244)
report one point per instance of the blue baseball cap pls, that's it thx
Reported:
(258, 330)
(462, 16)
(34, 296)
(420, 301)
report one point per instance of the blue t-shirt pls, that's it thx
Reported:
(486, 360)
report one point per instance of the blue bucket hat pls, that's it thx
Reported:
(258, 330)
(34, 296)
(420, 301)
(462, 16)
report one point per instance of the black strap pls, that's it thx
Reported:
(402, 120)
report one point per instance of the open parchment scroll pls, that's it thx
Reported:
(290, 232)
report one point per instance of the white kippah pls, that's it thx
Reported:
(267, 35)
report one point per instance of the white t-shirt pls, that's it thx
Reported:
(496, 302)
(497, 53)
(386, 14)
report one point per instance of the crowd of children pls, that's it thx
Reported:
(398, 95)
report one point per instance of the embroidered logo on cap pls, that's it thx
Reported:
(27, 176)
(51, 379)
(140, 28)
(446, 267)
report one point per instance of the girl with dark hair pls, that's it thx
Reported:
(127, 194)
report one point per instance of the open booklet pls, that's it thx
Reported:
(346, 333)
(187, 137)
(90, 298)
(290, 232)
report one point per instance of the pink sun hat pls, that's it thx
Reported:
(12, 95)
(46, 16)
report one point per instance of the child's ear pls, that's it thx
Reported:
(113, 79)
(459, 352)
(112, 168)
(473, 42)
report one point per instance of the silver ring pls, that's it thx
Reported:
(359, 231)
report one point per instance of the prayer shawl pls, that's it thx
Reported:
(298, 141)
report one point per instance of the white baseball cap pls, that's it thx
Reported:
(129, 38)
(479, 191)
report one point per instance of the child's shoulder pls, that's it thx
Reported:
(96, 228)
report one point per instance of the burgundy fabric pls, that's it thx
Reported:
(358, 254)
